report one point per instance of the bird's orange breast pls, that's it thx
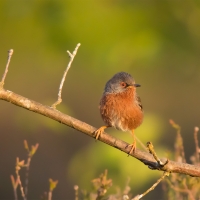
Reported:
(121, 110)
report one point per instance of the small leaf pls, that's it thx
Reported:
(21, 163)
(53, 184)
(34, 149)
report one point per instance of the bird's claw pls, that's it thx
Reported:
(133, 148)
(99, 131)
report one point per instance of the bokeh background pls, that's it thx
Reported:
(158, 42)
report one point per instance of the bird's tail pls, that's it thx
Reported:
(141, 144)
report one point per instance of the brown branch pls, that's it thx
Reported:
(146, 158)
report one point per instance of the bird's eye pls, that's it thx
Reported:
(123, 84)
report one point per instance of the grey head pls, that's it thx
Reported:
(119, 83)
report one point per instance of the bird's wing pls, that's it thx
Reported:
(138, 100)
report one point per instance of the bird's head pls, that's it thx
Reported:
(120, 82)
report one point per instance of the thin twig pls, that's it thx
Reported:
(152, 151)
(30, 152)
(152, 187)
(52, 186)
(21, 187)
(184, 191)
(188, 190)
(196, 129)
(10, 53)
(20, 164)
(27, 176)
(50, 195)
(15, 185)
(127, 187)
(71, 55)
(76, 188)
(176, 188)
(179, 148)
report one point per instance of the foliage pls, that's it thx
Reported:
(179, 186)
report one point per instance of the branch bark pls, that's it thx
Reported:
(144, 157)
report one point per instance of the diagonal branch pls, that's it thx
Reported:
(144, 157)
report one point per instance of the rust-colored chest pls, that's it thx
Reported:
(121, 110)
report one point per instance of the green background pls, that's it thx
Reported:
(158, 42)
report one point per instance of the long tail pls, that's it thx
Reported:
(141, 144)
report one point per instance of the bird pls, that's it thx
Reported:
(120, 106)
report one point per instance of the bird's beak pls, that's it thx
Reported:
(137, 85)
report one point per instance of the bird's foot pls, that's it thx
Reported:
(99, 131)
(133, 147)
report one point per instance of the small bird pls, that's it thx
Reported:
(120, 106)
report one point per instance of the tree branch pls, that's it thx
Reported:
(144, 157)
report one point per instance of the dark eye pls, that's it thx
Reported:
(123, 84)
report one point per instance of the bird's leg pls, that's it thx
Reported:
(99, 131)
(133, 145)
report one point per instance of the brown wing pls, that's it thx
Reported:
(138, 99)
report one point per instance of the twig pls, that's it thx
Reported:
(27, 175)
(188, 191)
(20, 164)
(10, 53)
(30, 152)
(152, 151)
(179, 148)
(71, 55)
(176, 188)
(15, 185)
(52, 186)
(76, 188)
(102, 184)
(152, 187)
(196, 129)
(185, 191)
(127, 187)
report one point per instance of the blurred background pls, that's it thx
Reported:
(158, 42)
